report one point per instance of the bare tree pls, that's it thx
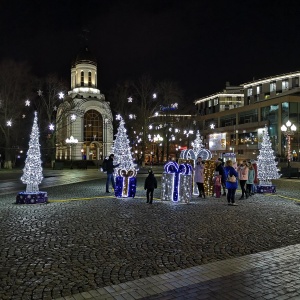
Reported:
(15, 86)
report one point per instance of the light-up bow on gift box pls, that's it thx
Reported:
(126, 183)
(177, 170)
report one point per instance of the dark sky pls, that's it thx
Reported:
(199, 44)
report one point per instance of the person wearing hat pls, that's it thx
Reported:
(150, 185)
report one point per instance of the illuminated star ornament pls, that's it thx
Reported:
(55, 108)
(51, 127)
(118, 117)
(27, 103)
(23, 116)
(212, 126)
(9, 123)
(40, 93)
(129, 99)
(73, 117)
(61, 95)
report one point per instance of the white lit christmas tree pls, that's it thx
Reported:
(33, 171)
(125, 172)
(121, 148)
(198, 143)
(266, 164)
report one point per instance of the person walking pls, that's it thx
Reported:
(150, 185)
(250, 181)
(243, 177)
(109, 166)
(199, 176)
(220, 169)
(231, 182)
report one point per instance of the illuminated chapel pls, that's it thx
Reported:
(86, 132)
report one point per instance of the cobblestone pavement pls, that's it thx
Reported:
(84, 239)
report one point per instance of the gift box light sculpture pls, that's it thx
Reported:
(197, 151)
(176, 182)
(125, 183)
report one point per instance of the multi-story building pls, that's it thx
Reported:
(234, 122)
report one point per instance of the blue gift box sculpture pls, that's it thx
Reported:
(176, 182)
(125, 183)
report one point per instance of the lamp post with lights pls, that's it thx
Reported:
(71, 141)
(288, 130)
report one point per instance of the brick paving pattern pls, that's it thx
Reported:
(81, 246)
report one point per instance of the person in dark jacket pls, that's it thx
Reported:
(150, 185)
(220, 169)
(231, 185)
(109, 166)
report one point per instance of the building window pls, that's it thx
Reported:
(272, 86)
(258, 89)
(93, 126)
(249, 92)
(216, 101)
(90, 78)
(82, 78)
(285, 84)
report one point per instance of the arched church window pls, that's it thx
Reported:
(93, 126)
(82, 78)
(90, 78)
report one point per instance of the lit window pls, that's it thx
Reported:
(285, 84)
(249, 92)
(272, 86)
(258, 89)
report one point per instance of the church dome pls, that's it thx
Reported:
(85, 56)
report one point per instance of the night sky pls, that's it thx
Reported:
(198, 44)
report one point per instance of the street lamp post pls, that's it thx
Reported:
(288, 130)
(71, 141)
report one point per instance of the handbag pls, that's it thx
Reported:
(231, 179)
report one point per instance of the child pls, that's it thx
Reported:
(150, 185)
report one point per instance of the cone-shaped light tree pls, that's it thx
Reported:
(33, 172)
(266, 164)
(122, 149)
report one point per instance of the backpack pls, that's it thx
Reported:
(104, 165)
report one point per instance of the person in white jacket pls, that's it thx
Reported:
(243, 177)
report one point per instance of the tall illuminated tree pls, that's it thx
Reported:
(122, 149)
(266, 164)
(33, 172)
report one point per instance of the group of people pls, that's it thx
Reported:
(244, 173)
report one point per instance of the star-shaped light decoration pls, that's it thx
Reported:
(40, 93)
(51, 127)
(27, 103)
(212, 126)
(23, 116)
(154, 96)
(9, 123)
(55, 108)
(73, 117)
(61, 95)
(118, 117)
(129, 99)
(150, 126)
(194, 122)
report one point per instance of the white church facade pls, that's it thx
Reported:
(89, 122)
